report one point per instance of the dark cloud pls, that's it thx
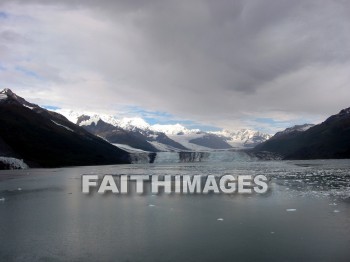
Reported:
(213, 61)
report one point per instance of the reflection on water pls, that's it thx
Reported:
(304, 217)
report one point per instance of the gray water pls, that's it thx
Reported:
(45, 217)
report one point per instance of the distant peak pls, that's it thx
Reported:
(11, 97)
(7, 91)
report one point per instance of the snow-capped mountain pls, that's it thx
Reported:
(243, 137)
(127, 123)
(125, 132)
(136, 132)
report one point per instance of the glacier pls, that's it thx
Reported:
(193, 156)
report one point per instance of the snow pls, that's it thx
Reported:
(129, 149)
(128, 123)
(173, 129)
(13, 162)
(163, 147)
(132, 123)
(3, 96)
(109, 119)
(30, 107)
(184, 140)
(296, 128)
(70, 114)
(242, 137)
(63, 126)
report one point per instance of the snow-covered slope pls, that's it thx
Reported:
(174, 129)
(133, 123)
(127, 123)
(243, 137)
(185, 141)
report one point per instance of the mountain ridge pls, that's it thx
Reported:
(327, 140)
(47, 139)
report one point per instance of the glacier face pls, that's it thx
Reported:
(195, 156)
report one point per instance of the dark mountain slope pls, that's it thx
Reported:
(330, 139)
(211, 141)
(117, 135)
(46, 139)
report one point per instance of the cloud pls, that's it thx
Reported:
(216, 63)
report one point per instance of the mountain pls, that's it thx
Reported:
(47, 139)
(330, 139)
(243, 137)
(115, 134)
(293, 130)
(211, 141)
(131, 132)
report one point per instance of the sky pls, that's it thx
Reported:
(264, 65)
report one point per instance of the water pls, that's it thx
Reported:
(305, 216)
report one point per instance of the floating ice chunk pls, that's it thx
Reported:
(333, 204)
(336, 211)
(19, 189)
(150, 205)
(220, 219)
(2, 199)
(291, 210)
(272, 232)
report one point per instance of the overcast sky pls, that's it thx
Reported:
(228, 64)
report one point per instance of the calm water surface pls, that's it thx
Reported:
(45, 217)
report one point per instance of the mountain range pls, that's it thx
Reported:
(44, 138)
(37, 137)
(138, 134)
